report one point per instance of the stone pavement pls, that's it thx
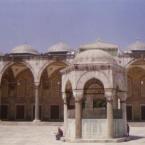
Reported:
(44, 134)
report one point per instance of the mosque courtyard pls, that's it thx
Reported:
(22, 133)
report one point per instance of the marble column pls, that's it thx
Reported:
(36, 90)
(123, 107)
(65, 117)
(78, 118)
(110, 118)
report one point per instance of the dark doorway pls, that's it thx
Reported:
(54, 112)
(142, 112)
(129, 112)
(20, 112)
(39, 112)
(4, 112)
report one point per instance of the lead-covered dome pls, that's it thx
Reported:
(59, 47)
(93, 56)
(24, 49)
(137, 46)
(99, 44)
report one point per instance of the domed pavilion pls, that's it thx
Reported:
(92, 86)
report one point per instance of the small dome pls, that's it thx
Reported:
(99, 44)
(24, 49)
(138, 45)
(59, 47)
(93, 56)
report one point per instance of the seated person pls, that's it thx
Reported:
(59, 134)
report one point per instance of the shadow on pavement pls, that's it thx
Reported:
(133, 137)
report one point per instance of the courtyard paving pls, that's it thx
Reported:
(13, 133)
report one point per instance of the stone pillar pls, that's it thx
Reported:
(78, 118)
(36, 92)
(124, 117)
(65, 116)
(109, 94)
(110, 118)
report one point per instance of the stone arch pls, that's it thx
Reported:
(120, 81)
(130, 62)
(47, 64)
(133, 61)
(97, 75)
(65, 80)
(136, 81)
(26, 83)
(9, 64)
(91, 82)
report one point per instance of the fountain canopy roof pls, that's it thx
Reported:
(93, 57)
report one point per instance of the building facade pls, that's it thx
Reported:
(31, 83)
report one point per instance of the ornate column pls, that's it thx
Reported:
(109, 99)
(36, 92)
(78, 115)
(78, 118)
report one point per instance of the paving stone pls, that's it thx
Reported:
(44, 134)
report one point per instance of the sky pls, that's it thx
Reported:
(42, 23)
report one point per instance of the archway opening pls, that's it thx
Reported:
(136, 93)
(94, 102)
(17, 93)
(51, 102)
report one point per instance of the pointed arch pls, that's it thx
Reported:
(9, 64)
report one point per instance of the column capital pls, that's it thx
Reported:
(64, 95)
(65, 100)
(36, 84)
(78, 95)
(110, 93)
(78, 100)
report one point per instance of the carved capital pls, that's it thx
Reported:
(110, 93)
(78, 95)
(64, 96)
(36, 85)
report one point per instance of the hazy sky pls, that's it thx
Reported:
(41, 23)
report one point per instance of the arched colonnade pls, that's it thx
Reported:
(29, 88)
